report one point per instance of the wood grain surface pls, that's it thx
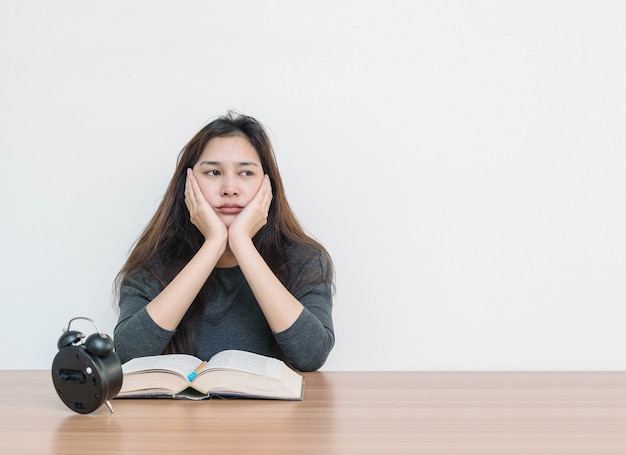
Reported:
(342, 413)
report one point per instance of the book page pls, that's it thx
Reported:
(240, 373)
(181, 364)
(244, 361)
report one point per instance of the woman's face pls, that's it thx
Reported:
(229, 174)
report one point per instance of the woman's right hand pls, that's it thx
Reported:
(202, 214)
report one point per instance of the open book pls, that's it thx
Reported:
(228, 373)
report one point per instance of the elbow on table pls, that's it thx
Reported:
(124, 351)
(313, 360)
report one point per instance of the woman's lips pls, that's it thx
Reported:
(230, 209)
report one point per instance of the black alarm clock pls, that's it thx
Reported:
(86, 372)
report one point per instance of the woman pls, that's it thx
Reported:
(224, 263)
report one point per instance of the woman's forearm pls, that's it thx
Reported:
(279, 306)
(169, 307)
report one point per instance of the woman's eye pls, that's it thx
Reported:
(247, 173)
(212, 172)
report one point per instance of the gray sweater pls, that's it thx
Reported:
(231, 320)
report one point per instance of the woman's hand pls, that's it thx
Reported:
(202, 214)
(254, 216)
(279, 306)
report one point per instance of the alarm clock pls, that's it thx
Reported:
(86, 372)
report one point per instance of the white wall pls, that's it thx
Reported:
(462, 161)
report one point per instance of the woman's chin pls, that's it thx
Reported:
(227, 219)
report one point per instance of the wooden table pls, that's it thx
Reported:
(342, 413)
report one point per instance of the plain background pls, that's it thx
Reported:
(463, 162)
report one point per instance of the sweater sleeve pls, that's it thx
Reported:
(136, 334)
(308, 342)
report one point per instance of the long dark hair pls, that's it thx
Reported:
(170, 240)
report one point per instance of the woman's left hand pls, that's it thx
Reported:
(254, 216)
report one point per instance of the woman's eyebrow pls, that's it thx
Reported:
(219, 163)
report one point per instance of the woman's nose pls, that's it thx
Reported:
(229, 189)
